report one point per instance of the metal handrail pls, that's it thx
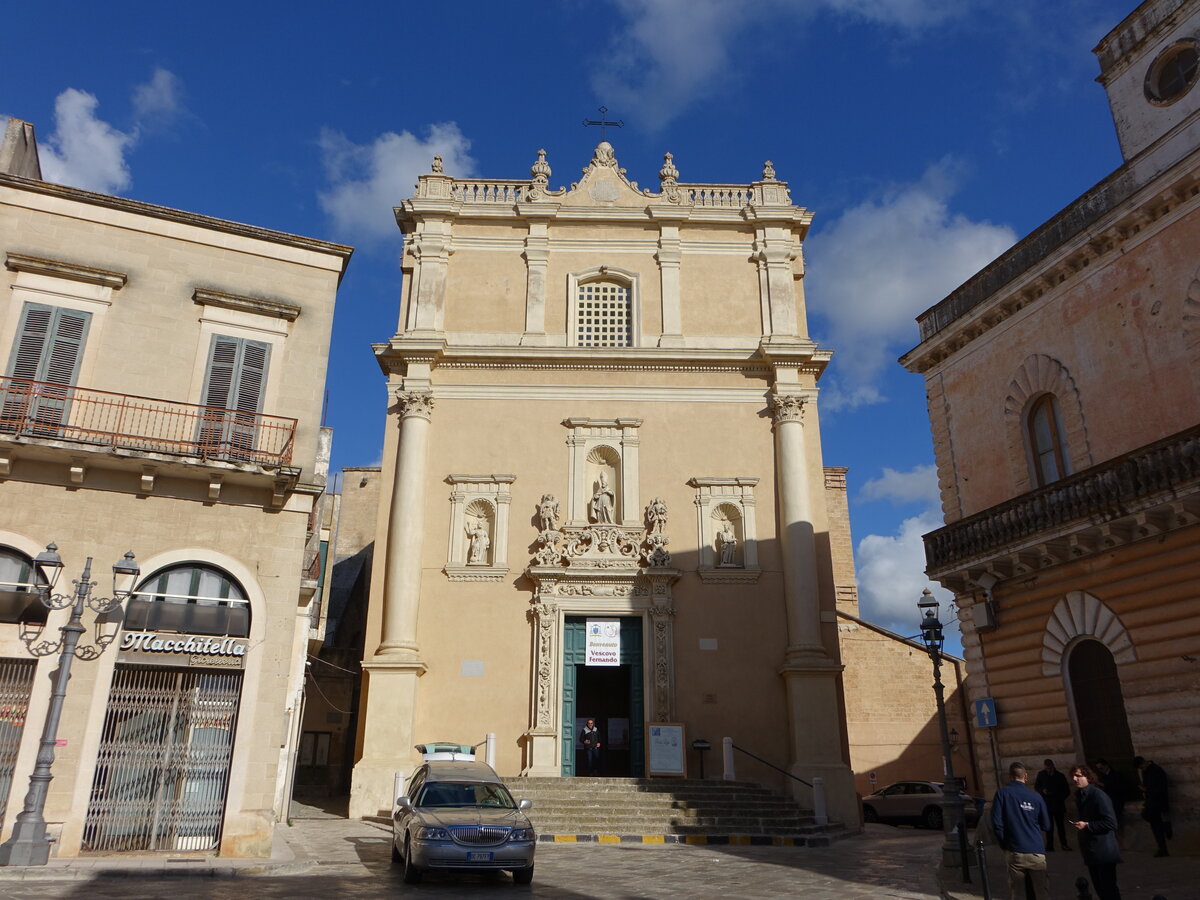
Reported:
(41, 409)
(771, 765)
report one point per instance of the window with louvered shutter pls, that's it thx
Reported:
(48, 348)
(233, 393)
(49, 344)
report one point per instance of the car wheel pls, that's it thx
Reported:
(869, 814)
(412, 874)
(522, 876)
(932, 818)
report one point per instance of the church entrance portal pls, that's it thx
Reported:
(612, 695)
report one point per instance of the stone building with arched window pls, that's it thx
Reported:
(1063, 384)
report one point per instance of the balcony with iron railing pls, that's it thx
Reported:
(1135, 483)
(55, 412)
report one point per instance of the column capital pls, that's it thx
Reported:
(787, 408)
(415, 403)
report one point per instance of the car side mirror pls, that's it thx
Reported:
(404, 802)
(525, 804)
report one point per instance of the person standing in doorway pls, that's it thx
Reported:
(1112, 783)
(1052, 785)
(590, 738)
(1096, 829)
(1020, 818)
(1155, 808)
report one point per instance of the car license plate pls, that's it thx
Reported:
(479, 856)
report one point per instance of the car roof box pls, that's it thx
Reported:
(444, 750)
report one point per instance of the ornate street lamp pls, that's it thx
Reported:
(29, 845)
(953, 853)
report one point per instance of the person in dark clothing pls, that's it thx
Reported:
(1155, 807)
(1019, 819)
(1096, 829)
(590, 738)
(1112, 783)
(1052, 785)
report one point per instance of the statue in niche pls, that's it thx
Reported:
(656, 516)
(478, 536)
(602, 502)
(548, 512)
(727, 545)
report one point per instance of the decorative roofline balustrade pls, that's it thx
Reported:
(1102, 493)
(41, 410)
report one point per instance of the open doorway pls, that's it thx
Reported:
(609, 694)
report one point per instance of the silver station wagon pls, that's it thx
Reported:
(459, 815)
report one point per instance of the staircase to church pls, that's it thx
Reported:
(670, 810)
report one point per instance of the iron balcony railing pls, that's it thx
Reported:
(67, 413)
(1101, 493)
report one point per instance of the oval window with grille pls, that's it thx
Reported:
(1173, 73)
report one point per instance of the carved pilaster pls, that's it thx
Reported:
(545, 614)
(661, 616)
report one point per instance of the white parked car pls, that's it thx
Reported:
(918, 802)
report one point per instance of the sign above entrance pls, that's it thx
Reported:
(603, 642)
(182, 649)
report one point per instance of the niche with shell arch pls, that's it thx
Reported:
(603, 500)
(1037, 376)
(479, 531)
(728, 551)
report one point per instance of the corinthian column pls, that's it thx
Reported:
(402, 589)
(391, 673)
(802, 600)
(811, 675)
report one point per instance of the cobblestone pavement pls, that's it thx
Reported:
(349, 859)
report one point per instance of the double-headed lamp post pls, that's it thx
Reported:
(954, 853)
(29, 845)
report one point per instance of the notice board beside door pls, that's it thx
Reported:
(665, 753)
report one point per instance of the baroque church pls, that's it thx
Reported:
(602, 492)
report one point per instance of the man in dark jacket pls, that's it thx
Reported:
(1154, 810)
(1020, 818)
(1112, 783)
(1052, 785)
(1096, 829)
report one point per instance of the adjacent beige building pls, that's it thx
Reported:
(1064, 394)
(162, 391)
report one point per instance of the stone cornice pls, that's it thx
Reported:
(17, 262)
(175, 215)
(257, 305)
(1095, 229)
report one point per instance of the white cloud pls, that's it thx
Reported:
(878, 265)
(675, 52)
(159, 101)
(87, 152)
(366, 181)
(918, 484)
(891, 576)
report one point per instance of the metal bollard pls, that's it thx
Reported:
(981, 856)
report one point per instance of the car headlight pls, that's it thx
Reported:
(521, 834)
(432, 833)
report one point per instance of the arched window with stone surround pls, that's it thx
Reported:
(603, 308)
(1048, 458)
(190, 598)
(1038, 376)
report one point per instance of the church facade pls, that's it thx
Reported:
(603, 494)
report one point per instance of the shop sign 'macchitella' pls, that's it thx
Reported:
(198, 649)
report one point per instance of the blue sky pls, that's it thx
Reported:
(926, 135)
